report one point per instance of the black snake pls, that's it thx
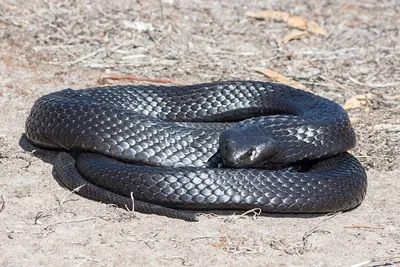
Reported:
(222, 145)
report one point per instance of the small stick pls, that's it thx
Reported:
(92, 54)
(68, 222)
(69, 195)
(133, 204)
(375, 85)
(140, 79)
(201, 237)
(364, 227)
(256, 212)
(3, 204)
(389, 258)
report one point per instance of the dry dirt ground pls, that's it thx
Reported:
(49, 45)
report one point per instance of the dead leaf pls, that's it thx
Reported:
(297, 22)
(348, 6)
(218, 245)
(355, 120)
(280, 78)
(292, 20)
(269, 14)
(293, 35)
(314, 28)
(221, 243)
(359, 101)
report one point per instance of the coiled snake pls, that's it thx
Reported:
(222, 145)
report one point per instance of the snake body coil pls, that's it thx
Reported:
(225, 145)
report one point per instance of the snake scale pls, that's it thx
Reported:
(222, 145)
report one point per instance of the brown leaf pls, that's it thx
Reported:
(218, 244)
(280, 78)
(355, 120)
(293, 35)
(292, 20)
(358, 101)
(314, 28)
(297, 22)
(269, 14)
(221, 243)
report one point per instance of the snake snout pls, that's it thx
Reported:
(245, 149)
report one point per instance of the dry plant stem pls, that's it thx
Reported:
(68, 195)
(256, 212)
(72, 221)
(88, 56)
(364, 227)
(139, 79)
(307, 234)
(3, 204)
(374, 85)
(385, 259)
(133, 204)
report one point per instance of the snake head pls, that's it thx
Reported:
(242, 148)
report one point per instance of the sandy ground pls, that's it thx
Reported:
(48, 45)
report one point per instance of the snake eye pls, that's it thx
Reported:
(248, 155)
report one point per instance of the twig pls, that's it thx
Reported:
(65, 198)
(170, 259)
(237, 53)
(315, 229)
(86, 259)
(92, 54)
(3, 204)
(364, 227)
(133, 204)
(331, 58)
(72, 221)
(140, 79)
(375, 85)
(376, 260)
(327, 52)
(387, 127)
(256, 212)
(201, 237)
(161, 11)
(319, 84)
